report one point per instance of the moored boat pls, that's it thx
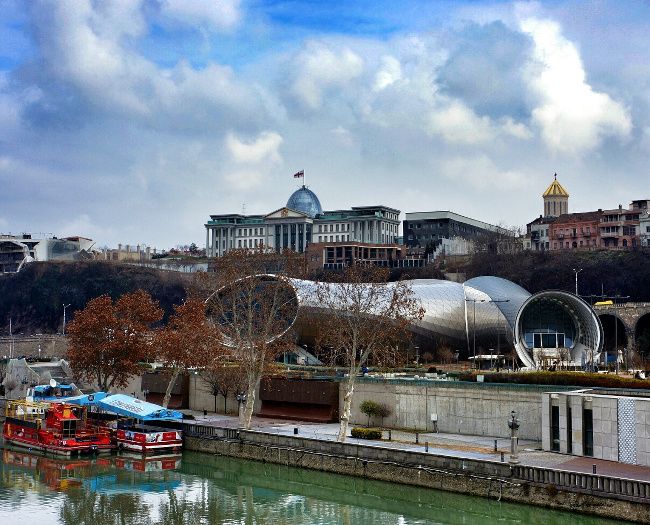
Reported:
(58, 428)
(148, 439)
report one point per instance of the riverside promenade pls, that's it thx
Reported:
(456, 445)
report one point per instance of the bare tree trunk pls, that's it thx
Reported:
(347, 408)
(170, 387)
(247, 414)
(225, 403)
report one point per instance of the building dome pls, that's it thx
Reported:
(306, 201)
(555, 189)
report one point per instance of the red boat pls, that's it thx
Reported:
(147, 439)
(58, 428)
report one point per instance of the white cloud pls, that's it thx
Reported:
(573, 118)
(481, 173)
(218, 14)
(84, 226)
(389, 73)
(515, 129)
(457, 123)
(263, 149)
(320, 68)
(243, 180)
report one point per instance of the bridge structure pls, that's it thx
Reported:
(623, 324)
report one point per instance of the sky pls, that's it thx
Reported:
(132, 121)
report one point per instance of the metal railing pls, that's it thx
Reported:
(606, 486)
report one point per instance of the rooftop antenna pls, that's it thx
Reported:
(243, 208)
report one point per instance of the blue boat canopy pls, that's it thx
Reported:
(131, 407)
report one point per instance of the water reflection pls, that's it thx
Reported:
(203, 489)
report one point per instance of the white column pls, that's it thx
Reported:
(208, 251)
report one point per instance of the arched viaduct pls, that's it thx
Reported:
(625, 322)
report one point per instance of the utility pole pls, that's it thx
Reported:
(11, 341)
(65, 306)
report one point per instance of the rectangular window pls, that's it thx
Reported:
(337, 227)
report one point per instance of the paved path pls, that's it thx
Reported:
(457, 445)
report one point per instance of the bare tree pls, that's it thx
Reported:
(361, 320)
(444, 354)
(254, 312)
(565, 356)
(224, 378)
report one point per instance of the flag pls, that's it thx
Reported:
(300, 174)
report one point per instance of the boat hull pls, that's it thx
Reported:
(149, 441)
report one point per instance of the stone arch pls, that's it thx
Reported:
(642, 335)
(613, 328)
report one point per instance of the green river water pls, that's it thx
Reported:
(200, 489)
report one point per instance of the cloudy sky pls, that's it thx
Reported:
(132, 121)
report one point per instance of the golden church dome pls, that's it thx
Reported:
(555, 189)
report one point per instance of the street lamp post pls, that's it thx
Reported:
(513, 423)
(577, 272)
(241, 399)
(65, 307)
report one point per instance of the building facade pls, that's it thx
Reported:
(336, 255)
(431, 231)
(300, 223)
(644, 228)
(616, 229)
(575, 230)
(18, 250)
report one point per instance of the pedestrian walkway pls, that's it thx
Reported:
(456, 445)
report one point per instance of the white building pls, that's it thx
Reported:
(301, 222)
(17, 250)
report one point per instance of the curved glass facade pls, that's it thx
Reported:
(557, 328)
(485, 312)
(306, 201)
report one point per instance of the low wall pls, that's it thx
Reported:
(586, 493)
(478, 409)
(200, 398)
(28, 345)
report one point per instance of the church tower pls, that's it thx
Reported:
(556, 199)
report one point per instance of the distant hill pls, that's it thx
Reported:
(34, 298)
(625, 273)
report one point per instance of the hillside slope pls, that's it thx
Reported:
(34, 298)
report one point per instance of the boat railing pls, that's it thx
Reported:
(26, 410)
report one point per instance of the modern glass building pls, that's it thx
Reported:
(488, 313)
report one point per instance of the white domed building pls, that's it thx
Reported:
(299, 223)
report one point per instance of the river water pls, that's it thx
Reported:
(203, 489)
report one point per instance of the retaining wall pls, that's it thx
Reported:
(585, 493)
(478, 409)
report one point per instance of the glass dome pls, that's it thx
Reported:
(306, 201)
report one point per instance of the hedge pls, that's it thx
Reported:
(366, 433)
(561, 378)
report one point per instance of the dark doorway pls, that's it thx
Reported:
(588, 432)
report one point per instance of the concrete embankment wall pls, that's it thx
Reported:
(478, 409)
(584, 493)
